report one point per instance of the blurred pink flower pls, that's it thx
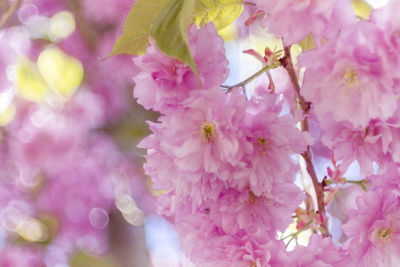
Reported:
(14, 43)
(20, 256)
(107, 11)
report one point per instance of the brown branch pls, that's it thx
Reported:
(249, 3)
(9, 13)
(305, 106)
(88, 33)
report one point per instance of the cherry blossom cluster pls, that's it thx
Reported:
(226, 161)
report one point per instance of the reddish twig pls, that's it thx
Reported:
(305, 106)
(88, 33)
(8, 14)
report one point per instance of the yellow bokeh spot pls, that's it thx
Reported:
(32, 230)
(307, 43)
(61, 72)
(275, 44)
(261, 42)
(362, 9)
(350, 79)
(8, 115)
(229, 33)
(29, 82)
(62, 24)
(302, 238)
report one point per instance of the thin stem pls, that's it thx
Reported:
(3, 6)
(363, 183)
(357, 182)
(252, 77)
(248, 3)
(88, 33)
(300, 230)
(8, 14)
(305, 106)
(294, 235)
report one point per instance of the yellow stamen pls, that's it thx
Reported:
(350, 79)
(263, 142)
(252, 197)
(384, 234)
(207, 132)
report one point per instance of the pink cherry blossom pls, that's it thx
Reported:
(373, 230)
(386, 19)
(375, 143)
(319, 252)
(208, 245)
(234, 211)
(387, 178)
(343, 201)
(206, 144)
(273, 139)
(164, 82)
(293, 21)
(348, 75)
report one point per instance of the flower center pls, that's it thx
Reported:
(350, 79)
(263, 143)
(173, 68)
(207, 132)
(385, 234)
(252, 197)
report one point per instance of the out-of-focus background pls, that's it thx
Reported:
(72, 189)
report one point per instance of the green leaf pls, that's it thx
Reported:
(81, 259)
(170, 30)
(135, 36)
(221, 12)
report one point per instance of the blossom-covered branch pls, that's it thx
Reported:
(305, 107)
